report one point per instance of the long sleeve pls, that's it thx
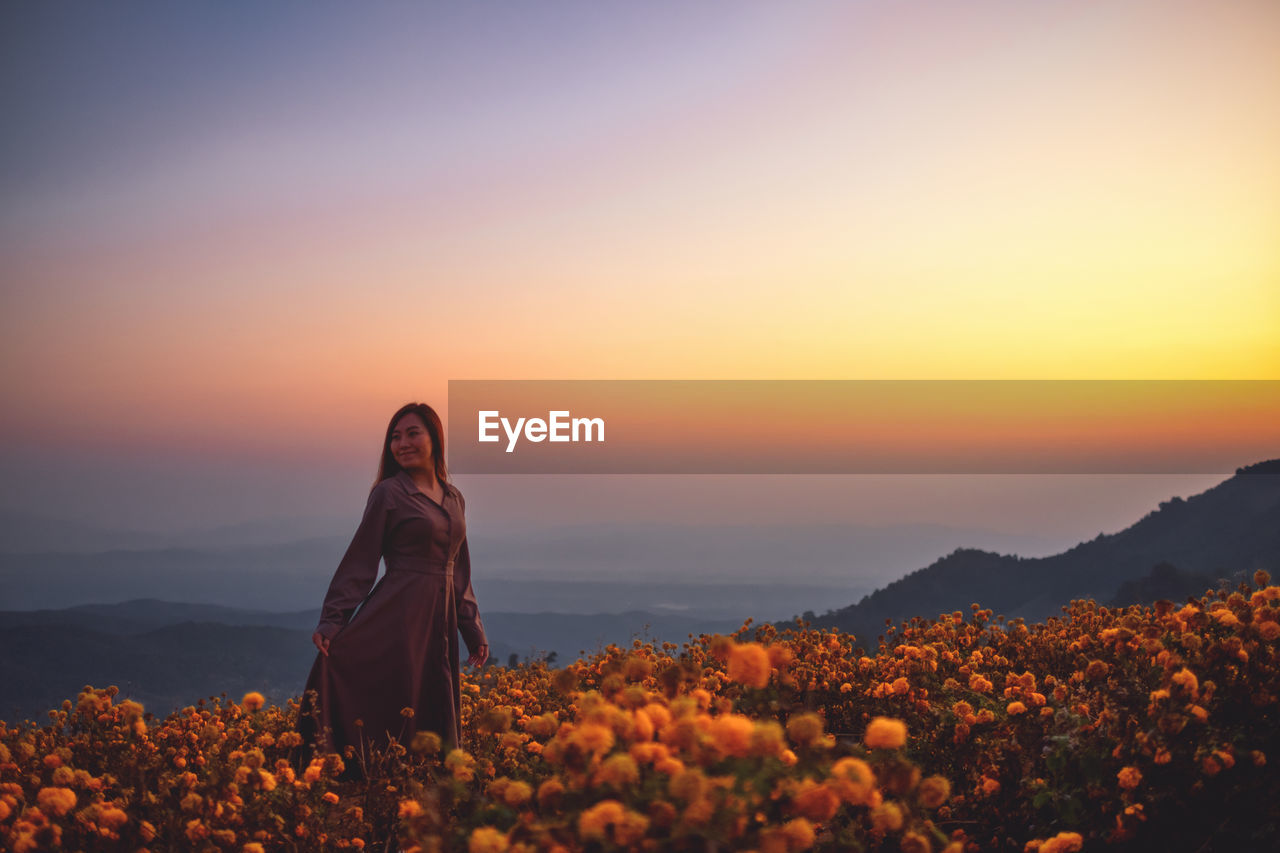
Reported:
(468, 610)
(359, 567)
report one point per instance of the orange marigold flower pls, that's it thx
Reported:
(330, 797)
(549, 792)
(1130, 777)
(594, 822)
(1016, 708)
(57, 801)
(732, 733)
(595, 737)
(978, 684)
(885, 733)
(113, 818)
(798, 833)
(253, 701)
(410, 809)
(749, 664)
(1186, 679)
(486, 839)
(1063, 842)
(815, 801)
(990, 786)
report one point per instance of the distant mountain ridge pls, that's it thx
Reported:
(1232, 528)
(170, 654)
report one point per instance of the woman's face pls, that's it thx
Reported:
(411, 444)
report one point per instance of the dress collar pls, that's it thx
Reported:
(411, 487)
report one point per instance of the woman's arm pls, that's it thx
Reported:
(359, 567)
(468, 610)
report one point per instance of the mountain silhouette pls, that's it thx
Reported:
(1224, 533)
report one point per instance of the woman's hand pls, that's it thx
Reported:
(480, 657)
(322, 642)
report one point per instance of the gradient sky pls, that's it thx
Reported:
(234, 237)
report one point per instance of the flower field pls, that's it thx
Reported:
(1128, 729)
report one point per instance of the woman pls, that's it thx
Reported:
(400, 650)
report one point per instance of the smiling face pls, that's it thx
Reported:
(411, 444)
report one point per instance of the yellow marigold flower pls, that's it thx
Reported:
(426, 742)
(1016, 708)
(805, 729)
(886, 817)
(517, 794)
(934, 791)
(853, 780)
(460, 763)
(593, 823)
(56, 801)
(1063, 842)
(313, 771)
(687, 785)
(409, 809)
(885, 733)
(914, 842)
(618, 770)
(253, 701)
(486, 839)
(1130, 777)
(798, 833)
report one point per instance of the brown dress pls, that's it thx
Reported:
(401, 648)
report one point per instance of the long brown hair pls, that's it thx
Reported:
(389, 467)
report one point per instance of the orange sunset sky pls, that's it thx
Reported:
(235, 238)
